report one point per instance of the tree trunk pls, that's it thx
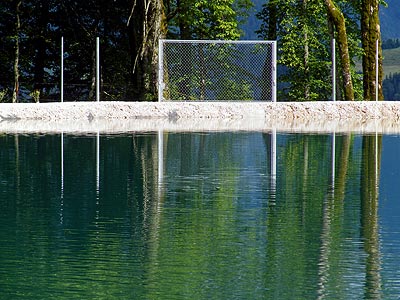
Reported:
(183, 23)
(146, 25)
(40, 47)
(92, 91)
(306, 54)
(370, 33)
(16, 60)
(272, 21)
(339, 22)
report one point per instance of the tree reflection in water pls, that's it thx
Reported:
(201, 210)
(370, 170)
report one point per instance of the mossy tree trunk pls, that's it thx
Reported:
(17, 49)
(370, 32)
(306, 56)
(146, 25)
(339, 23)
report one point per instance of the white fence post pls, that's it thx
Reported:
(160, 69)
(97, 69)
(274, 71)
(377, 70)
(62, 69)
(333, 70)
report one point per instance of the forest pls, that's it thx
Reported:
(31, 31)
(391, 87)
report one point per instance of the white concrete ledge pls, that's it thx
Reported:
(117, 117)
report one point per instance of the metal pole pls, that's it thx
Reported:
(62, 69)
(274, 71)
(333, 70)
(160, 69)
(377, 70)
(97, 69)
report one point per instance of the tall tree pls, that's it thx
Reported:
(339, 22)
(371, 34)
(18, 4)
(146, 25)
(6, 44)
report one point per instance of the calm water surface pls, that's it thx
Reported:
(199, 216)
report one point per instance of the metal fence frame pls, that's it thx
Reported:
(162, 42)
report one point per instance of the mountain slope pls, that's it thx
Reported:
(390, 20)
(389, 16)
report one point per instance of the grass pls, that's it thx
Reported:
(391, 61)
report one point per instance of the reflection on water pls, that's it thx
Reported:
(199, 216)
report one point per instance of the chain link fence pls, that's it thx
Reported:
(217, 70)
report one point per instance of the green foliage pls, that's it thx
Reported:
(3, 94)
(232, 90)
(35, 94)
(204, 19)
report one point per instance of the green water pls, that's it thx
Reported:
(199, 216)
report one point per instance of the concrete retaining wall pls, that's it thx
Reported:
(188, 116)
